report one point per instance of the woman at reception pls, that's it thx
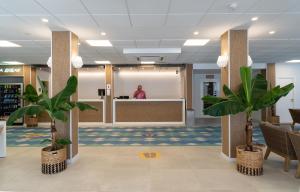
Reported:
(139, 93)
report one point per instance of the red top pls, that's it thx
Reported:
(139, 94)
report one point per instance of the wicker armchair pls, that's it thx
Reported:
(295, 138)
(295, 113)
(278, 141)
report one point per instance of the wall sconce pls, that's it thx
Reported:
(222, 61)
(77, 62)
(49, 62)
(250, 62)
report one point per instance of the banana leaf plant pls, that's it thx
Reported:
(30, 96)
(56, 107)
(252, 95)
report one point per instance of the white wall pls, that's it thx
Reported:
(165, 84)
(89, 82)
(44, 76)
(286, 70)
(198, 80)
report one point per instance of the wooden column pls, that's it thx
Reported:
(109, 93)
(271, 78)
(234, 43)
(64, 47)
(189, 86)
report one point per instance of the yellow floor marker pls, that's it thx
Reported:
(149, 155)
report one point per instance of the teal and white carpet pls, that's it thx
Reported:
(135, 136)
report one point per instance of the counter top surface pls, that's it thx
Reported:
(145, 100)
(91, 100)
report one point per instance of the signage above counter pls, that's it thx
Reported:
(6, 70)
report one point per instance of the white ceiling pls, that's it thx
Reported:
(150, 24)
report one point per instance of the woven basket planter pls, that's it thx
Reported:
(54, 161)
(249, 162)
(32, 122)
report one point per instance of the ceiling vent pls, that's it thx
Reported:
(156, 59)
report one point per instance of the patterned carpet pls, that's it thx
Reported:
(135, 136)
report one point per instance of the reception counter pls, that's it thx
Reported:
(91, 115)
(149, 111)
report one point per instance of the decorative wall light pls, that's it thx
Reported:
(222, 61)
(77, 62)
(49, 62)
(250, 62)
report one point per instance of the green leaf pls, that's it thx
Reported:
(63, 142)
(212, 99)
(259, 88)
(272, 96)
(225, 107)
(83, 106)
(28, 110)
(246, 76)
(60, 115)
(64, 95)
(30, 94)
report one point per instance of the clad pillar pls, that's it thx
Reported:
(64, 47)
(189, 86)
(234, 43)
(109, 93)
(29, 75)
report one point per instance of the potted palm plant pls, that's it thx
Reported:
(252, 95)
(30, 96)
(54, 156)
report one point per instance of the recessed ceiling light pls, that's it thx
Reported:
(4, 43)
(196, 42)
(13, 62)
(45, 20)
(103, 33)
(254, 18)
(102, 62)
(293, 61)
(147, 62)
(150, 50)
(99, 43)
(196, 33)
(272, 32)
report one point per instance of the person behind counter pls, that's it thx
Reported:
(139, 93)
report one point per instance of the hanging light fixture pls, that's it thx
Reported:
(49, 62)
(249, 62)
(222, 61)
(77, 62)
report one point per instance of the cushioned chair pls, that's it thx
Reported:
(295, 113)
(295, 138)
(278, 141)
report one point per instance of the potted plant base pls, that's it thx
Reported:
(32, 122)
(54, 161)
(249, 162)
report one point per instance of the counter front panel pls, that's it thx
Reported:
(149, 110)
(92, 115)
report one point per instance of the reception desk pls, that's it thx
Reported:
(149, 111)
(92, 115)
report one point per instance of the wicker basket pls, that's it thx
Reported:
(250, 162)
(53, 161)
(31, 121)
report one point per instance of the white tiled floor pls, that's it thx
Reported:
(120, 169)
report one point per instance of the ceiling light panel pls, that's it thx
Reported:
(196, 42)
(151, 50)
(99, 43)
(4, 43)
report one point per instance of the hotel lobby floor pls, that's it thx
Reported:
(128, 136)
(120, 169)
